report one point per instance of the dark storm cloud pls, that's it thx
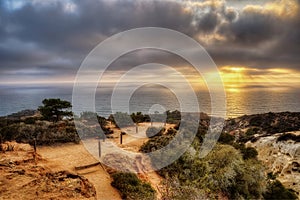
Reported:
(70, 35)
(53, 38)
(252, 27)
(230, 14)
(259, 38)
(288, 44)
(55, 28)
(2, 20)
(208, 22)
(144, 56)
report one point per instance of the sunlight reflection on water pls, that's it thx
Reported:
(238, 103)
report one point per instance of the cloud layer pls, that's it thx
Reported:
(48, 39)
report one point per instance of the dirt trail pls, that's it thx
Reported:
(67, 156)
(151, 177)
(27, 177)
(132, 141)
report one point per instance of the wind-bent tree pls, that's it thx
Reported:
(55, 109)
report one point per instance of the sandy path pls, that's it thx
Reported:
(67, 156)
(132, 141)
(151, 177)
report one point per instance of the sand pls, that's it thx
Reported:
(68, 156)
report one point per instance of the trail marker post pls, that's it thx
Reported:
(99, 148)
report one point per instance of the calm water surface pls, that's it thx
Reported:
(13, 99)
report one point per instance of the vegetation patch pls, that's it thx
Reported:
(276, 190)
(154, 131)
(132, 188)
(288, 136)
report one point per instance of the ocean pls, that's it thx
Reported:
(250, 101)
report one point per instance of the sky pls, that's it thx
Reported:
(254, 43)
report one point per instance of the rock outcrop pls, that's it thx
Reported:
(281, 155)
(22, 178)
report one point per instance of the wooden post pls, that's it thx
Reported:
(87, 166)
(34, 145)
(136, 128)
(121, 138)
(99, 148)
(34, 148)
(151, 123)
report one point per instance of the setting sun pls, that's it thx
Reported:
(236, 69)
(233, 77)
(237, 77)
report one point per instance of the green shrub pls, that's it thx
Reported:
(276, 190)
(173, 117)
(171, 131)
(139, 117)
(132, 188)
(30, 120)
(154, 131)
(121, 119)
(252, 131)
(174, 190)
(9, 132)
(249, 153)
(156, 143)
(288, 136)
(44, 131)
(256, 120)
(226, 138)
(222, 171)
(55, 109)
(271, 176)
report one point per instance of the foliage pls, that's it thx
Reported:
(252, 131)
(288, 136)
(55, 109)
(247, 152)
(131, 188)
(139, 117)
(121, 119)
(271, 176)
(266, 123)
(230, 174)
(43, 131)
(173, 117)
(275, 190)
(155, 143)
(174, 190)
(30, 120)
(249, 135)
(226, 138)
(9, 132)
(222, 171)
(154, 131)
(91, 118)
(256, 121)
(171, 131)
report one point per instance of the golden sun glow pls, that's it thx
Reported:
(233, 77)
(236, 78)
(237, 69)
